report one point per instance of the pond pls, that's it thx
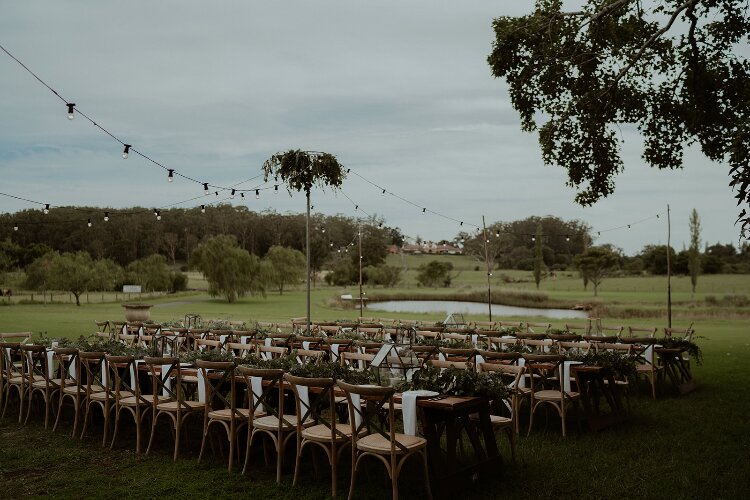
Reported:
(453, 306)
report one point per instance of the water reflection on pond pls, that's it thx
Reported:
(453, 306)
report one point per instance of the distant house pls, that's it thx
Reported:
(430, 247)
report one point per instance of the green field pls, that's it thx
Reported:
(692, 446)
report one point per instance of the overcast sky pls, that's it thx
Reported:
(399, 91)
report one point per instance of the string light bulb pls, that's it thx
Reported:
(46, 208)
(158, 215)
(106, 216)
(567, 237)
(170, 175)
(205, 188)
(461, 223)
(380, 225)
(203, 209)
(497, 234)
(628, 226)
(15, 226)
(89, 223)
(424, 210)
(276, 189)
(156, 212)
(533, 238)
(242, 195)
(216, 193)
(383, 192)
(257, 194)
(231, 195)
(322, 229)
(126, 151)
(71, 110)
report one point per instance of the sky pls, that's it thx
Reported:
(400, 92)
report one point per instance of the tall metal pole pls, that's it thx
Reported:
(489, 271)
(359, 235)
(307, 252)
(669, 271)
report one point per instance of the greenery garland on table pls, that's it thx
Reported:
(451, 343)
(693, 350)
(333, 370)
(457, 382)
(620, 364)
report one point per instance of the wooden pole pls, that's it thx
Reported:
(359, 235)
(307, 253)
(669, 270)
(489, 271)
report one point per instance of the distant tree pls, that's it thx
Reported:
(341, 273)
(595, 264)
(538, 256)
(74, 272)
(435, 274)
(231, 271)
(655, 258)
(152, 273)
(169, 244)
(694, 263)
(285, 266)
(386, 276)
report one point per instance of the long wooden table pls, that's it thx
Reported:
(448, 418)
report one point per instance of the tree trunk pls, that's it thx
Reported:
(77, 296)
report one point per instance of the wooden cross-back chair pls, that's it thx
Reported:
(319, 406)
(221, 406)
(579, 328)
(641, 331)
(359, 361)
(547, 376)
(309, 356)
(276, 425)
(37, 380)
(645, 359)
(169, 400)
(70, 383)
(11, 374)
(537, 327)
(98, 389)
(511, 376)
(128, 396)
(392, 449)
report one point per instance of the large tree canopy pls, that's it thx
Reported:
(673, 68)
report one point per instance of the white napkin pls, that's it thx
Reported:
(167, 382)
(268, 342)
(201, 387)
(409, 409)
(133, 371)
(335, 351)
(105, 373)
(72, 371)
(124, 329)
(223, 340)
(474, 339)
(522, 381)
(478, 360)
(304, 397)
(649, 354)
(357, 403)
(306, 345)
(244, 339)
(566, 373)
(442, 356)
(50, 363)
(256, 384)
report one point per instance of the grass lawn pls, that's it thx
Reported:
(692, 446)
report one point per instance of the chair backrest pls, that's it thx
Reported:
(509, 357)
(16, 337)
(330, 330)
(641, 331)
(266, 393)
(574, 347)
(102, 326)
(428, 334)
(309, 356)
(642, 349)
(124, 376)
(371, 333)
(426, 351)
(680, 333)
(94, 371)
(34, 363)
(240, 350)
(10, 357)
(544, 368)
(600, 338)
(318, 405)
(486, 325)
(511, 374)
(461, 337)
(579, 328)
(356, 360)
(207, 345)
(537, 327)
(621, 348)
(379, 400)
(219, 385)
(502, 344)
(451, 353)
(610, 330)
(271, 352)
(538, 345)
(460, 365)
(368, 347)
(166, 381)
(70, 370)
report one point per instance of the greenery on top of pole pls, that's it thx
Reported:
(300, 170)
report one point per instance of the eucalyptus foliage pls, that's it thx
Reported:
(301, 170)
(676, 69)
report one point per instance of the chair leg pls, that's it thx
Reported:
(295, 481)
(177, 434)
(153, 432)
(117, 428)
(203, 441)
(231, 436)
(427, 473)
(355, 461)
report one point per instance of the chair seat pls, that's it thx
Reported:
(226, 414)
(189, 379)
(648, 368)
(271, 423)
(377, 443)
(144, 400)
(16, 381)
(322, 433)
(550, 395)
(72, 389)
(495, 420)
(41, 384)
(172, 406)
(102, 396)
